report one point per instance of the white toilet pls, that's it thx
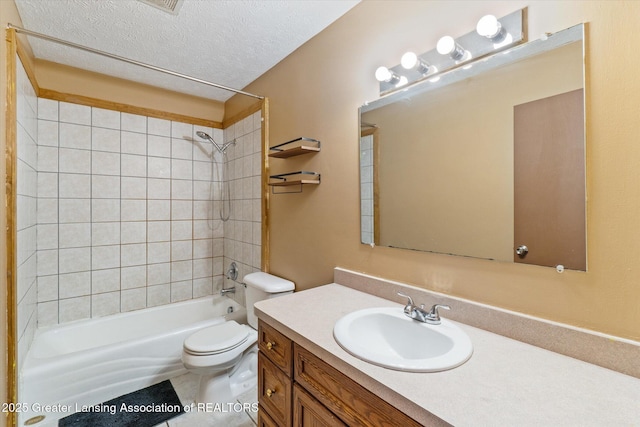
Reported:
(226, 355)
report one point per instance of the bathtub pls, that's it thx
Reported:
(88, 362)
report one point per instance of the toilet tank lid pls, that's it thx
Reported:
(268, 283)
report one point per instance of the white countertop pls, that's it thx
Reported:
(505, 383)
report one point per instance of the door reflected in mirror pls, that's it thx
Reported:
(484, 161)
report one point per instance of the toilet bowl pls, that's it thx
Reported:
(225, 355)
(215, 354)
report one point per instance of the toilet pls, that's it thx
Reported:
(226, 355)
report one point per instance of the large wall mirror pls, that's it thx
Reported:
(486, 161)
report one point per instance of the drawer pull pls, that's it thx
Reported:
(270, 345)
(270, 392)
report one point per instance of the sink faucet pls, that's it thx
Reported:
(431, 317)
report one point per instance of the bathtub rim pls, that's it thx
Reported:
(32, 359)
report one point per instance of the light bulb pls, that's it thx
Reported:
(383, 74)
(489, 27)
(448, 46)
(410, 61)
(445, 45)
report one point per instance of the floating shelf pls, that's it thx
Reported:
(295, 178)
(302, 145)
(298, 178)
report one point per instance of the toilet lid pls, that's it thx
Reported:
(217, 338)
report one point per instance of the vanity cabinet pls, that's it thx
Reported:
(297, 388)
(274, 377)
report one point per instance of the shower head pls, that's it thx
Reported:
(206, 136)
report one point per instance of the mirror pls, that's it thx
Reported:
(486, 161)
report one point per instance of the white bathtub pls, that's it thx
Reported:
(91, 361)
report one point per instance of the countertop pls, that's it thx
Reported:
(505, 383)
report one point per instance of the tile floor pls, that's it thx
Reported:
(240, 413)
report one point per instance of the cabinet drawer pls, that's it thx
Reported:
(275, 346)
(351, 402)
(274, 391)
(307, 411)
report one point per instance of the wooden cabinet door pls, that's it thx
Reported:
(549, 181)
(274, 391)
(276, 347)
(308, 412)
(264, 420)
(342, 396)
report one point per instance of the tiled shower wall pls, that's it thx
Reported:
(27, 155)
(366, 189)
(123, 213)
(243, 230)
(125, 218)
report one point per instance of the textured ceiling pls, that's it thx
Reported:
(231, 43)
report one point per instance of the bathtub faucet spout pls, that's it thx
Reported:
(228, 291)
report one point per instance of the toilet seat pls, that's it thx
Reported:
(216, 339)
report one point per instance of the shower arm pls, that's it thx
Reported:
(215, 144)
(208, 137)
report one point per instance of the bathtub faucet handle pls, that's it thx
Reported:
(232, 272)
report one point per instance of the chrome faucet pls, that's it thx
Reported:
(431, 317)
(232, 272)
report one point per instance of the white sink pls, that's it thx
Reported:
(386, 337)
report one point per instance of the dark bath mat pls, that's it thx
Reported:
(143, 408)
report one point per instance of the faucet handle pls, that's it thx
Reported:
(409, 307)
(410, 301)
(433, 317)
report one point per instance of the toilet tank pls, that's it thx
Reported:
(261, 286)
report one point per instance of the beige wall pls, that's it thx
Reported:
(316, 91)
(70, 80)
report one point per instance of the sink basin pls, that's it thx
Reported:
(386, 337)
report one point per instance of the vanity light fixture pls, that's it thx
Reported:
(492, 34)
(411, 61)
(489, 27)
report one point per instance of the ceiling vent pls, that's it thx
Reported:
(169, 6)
